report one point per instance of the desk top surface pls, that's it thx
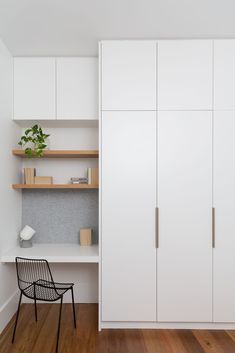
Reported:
(57, 253)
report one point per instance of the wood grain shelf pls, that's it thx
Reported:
(54, 186)
(61, 154)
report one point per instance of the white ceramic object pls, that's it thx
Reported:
(27, 233)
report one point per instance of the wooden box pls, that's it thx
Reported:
(43, 180)
(29, 174)
(85, 236)
(93, 176)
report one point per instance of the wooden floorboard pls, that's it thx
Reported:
(40, 337)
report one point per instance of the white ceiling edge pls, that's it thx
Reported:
(93, 53)
(74, 27)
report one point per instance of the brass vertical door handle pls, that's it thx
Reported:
(157, 227)
(213, 227)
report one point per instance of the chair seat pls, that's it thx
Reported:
(46, 290)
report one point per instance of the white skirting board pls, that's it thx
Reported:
(168, 325)
(7, 310)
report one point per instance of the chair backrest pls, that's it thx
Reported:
(31, 270)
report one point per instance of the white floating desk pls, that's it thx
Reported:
(55, 253)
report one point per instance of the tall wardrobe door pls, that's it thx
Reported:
(128, 200)
(224, 202)
(184, 261)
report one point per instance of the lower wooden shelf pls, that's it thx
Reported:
(57, 253)
(54, 186)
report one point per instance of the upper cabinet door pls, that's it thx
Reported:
(77, 88)
(128, 75)
(224, 74)
(185, 75)
(34, 88)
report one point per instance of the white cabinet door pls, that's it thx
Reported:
(224, 74)
(224, 202)
(128, 75)
(77, 88)
(185, 75)
(184, 260)
(128, 200)
(34, 88)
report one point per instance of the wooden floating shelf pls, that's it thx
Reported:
(61, 154)
(55, 186)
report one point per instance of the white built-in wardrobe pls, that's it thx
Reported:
(167, 215)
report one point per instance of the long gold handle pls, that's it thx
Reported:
(213, 227)
(157, 227)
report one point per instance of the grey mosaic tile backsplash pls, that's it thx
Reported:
(57, 215)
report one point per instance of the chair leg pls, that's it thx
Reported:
(74, 315)
(58, 332)
(35, 305)
(35, 310)
(17, 316)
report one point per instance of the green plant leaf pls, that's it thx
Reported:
(29, 152)
(36, 136)
(41, 145)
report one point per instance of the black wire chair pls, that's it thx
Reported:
(35, 281)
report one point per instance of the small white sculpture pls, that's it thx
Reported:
(27, 233)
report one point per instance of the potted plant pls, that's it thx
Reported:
(34, 141)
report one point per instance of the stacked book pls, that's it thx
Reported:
(92, 177)
(79, 180)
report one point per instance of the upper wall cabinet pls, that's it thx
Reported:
(51, 88)
(185, 75)
(224, 74)
(77, 88)
(128, 75)
(34, 88)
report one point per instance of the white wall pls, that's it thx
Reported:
(85, 279)
(10, 200)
